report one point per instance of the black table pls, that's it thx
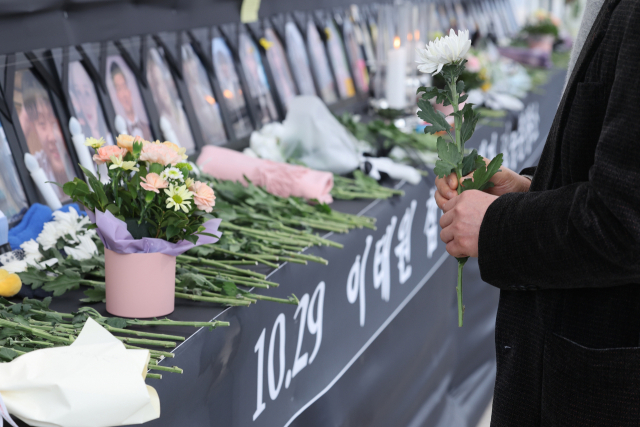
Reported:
(374, 341)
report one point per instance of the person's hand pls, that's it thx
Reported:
(461, 222)
(505, 181)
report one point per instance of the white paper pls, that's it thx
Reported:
(94, 382)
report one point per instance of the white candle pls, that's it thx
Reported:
(396, 76)
(40, 179)
(82, 150)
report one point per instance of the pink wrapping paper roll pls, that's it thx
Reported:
(281, 179)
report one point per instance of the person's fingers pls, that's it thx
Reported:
(443, 187)
(440, 201)
(454, 249)
(452, 180)
(446, 219)
(446, 234)
(451, 203)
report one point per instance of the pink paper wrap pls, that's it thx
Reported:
(116, 237)
(280, 179)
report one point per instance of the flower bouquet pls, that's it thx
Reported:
(446, 55)
(542, 31)
(148, 212)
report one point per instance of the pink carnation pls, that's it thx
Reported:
(153, 182)
(105, 153)
(203, 196)
(158, 153)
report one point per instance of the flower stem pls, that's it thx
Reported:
(461, 263)
(173, 369)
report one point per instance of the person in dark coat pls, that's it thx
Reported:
(564, 249)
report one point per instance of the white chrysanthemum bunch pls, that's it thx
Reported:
(442, 51)
(68, 226)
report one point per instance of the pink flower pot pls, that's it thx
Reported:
(543, 43)
(140, 285)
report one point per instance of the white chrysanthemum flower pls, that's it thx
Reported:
(70, 223)
(49, 235)
(172, 173)
(442, 51)
(31, 250)
(85, 250)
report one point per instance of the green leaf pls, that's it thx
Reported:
(449, 157)
(460, 87)
(65, 282)
(87, 172)
(96, 295)
(116, 322)
(469, 163)
(430, 115)
(69, 188)
(34, 277)
(98, 188)
(483, 174)
(229, 289)
(148, 198)
(172, 230)
(470, 119)
(156, 168)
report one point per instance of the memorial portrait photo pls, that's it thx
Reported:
(125, 96)
(12, 198)
(358, 65)
(257, 80)
(205, 104)
(299, 60)
(42, 130)
(279, 68)
(168, 102)
(339, 62)
(320, 65)
(230, 86)
(86, 106)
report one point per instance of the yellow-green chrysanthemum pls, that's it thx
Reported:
(94, 143)
(179, 198)
(117, 162)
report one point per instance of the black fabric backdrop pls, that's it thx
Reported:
(27, 25)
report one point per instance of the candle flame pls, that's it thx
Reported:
(227, 94)
(416, 35)
(396, 42)
(210, 99)
(409, 36)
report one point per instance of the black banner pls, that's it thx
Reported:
(374, 340)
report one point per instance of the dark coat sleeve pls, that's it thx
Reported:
(586, 234)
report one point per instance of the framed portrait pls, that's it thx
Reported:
(86, 105)
(358, 64)
(297, 53)
(259, 90)
(279, 65)
(339, 62)
(204, 103)
(125, 96)
(230, 87)
(168, 101)
(320, 65)
(42, 130)
(12, 197)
